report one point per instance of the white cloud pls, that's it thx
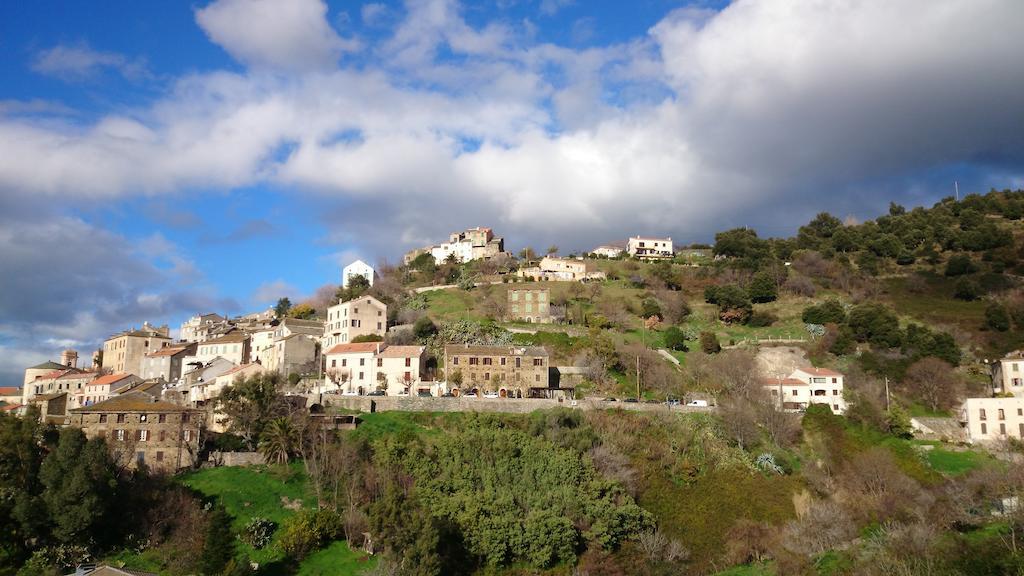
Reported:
(373, 13)
(80, 62)
(292, 35)
(268, 293)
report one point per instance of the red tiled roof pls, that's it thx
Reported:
(784, 382)
(9, 407)
(400, 351)
(357, 348)
(240, 367)
(819, 371)
(168, 351)
(10, 391)
(109, 379)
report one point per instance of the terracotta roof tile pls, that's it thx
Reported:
(109, 379)
(357, 348)
(819, 371)
(10, 391)
(401, 351)
(133, 402)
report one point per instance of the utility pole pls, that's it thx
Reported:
(638, 377)
(886, 393)
(956, 186)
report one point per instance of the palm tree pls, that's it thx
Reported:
(278, 440)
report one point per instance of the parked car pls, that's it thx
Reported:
(447, 395)
(350, 393)
(491, 395)
(702, 403)
(672, 402)
(469, 395)
(610, 399)
(631, 400)
(425, 394)
(376, 393)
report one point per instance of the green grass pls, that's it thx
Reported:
(336, 560)
(402, 424)
(451, 304)
(143, 561)
(250, 492)
(956, 463)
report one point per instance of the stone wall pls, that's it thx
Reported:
(236, 458)
(506, 405)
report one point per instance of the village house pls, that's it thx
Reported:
(10, 395)
(291, 326)
(607, 251)
(529, 305)
(167, 362)
(102, 388)
(199, 328)
(649, 248)
(357, 268)
(988, 420)
(1008, 374)
(361, 368)
(65, 379)
(510, 371)
(807, 386)
(471, 244)
(260, 342)
(358, 317)
(53, 408)
(143, 431)
(293, 354)
(124, 352)
(233, 347)
(562, 269)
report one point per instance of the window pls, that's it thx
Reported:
(186, 435)
(1020, 430)
(185, 416)
(473, 361)
(981, 414)
(488, 361)
(120, 418)
(119, 435)
(1020, 411)
(984, 429)
(519, 362)
(355, 310)
(162, 435)
(1002, 415)
(794, 392)
(143, 435)
(487, 375)
(378, 326)
(360, 375)
(103, 418)
(143, 417)
(334, 363)
(834, 381)
(344, 362)
(140, 457)
(159, 456)
(1002, 429)
(503, 360)
(835, 392)
(538, 361)
(536, 377)
(161, 418)
(408, 362)
(835, 407)
(455, 360)
(380, 362)
(362, 361)
(408, 376)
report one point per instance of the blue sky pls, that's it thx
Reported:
(159, 159)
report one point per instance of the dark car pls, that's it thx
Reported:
(375, 393)
(631, 400)
(447, 395)
(424, 394)
(610, 399)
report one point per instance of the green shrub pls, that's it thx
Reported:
(675, 339)
(966, 289)
(709, 343)
(309, 531)
(761, 319)
(959, 265)
(996, 317)
(828, 312)
(258, 532)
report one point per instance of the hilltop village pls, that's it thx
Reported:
(856, 378)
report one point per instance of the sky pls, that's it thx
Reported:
(162, 159)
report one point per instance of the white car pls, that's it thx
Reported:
(491, 395)
(350, 393)
(469, 395)
(701, 403)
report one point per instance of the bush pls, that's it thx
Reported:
(368, 338)
(763, 288)
(876, 324)
(258, 532)
(309, 531)
(675, 339)
(996, 317)
(966, 289)
(424, 328)
(709, 343)
(959, 265)
(828, 312)
(761, 319)
(650, 308)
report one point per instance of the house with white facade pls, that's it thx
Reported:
(806, 386)
(358, 317)
(101, 389)
(234, 347)
(358, 369)
(561, 269)
(198, 328)
(168, 362)
(607, 251)
(357, 268)
(650, 248)
(1000, 416)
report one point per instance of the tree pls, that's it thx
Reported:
(367, 338)
(357, 286)
(278, 440)
(763, 288)
(79, 488)
(220, 542)
(830, 311)
(650, 308)
(966, 289)
(424, 328)
(934, 383)
(709, 343)
(527, 254)
(250, 403)
(875, 323)
(302, 311)
(960, 265)
(740, 243)
(996, 317)
(734, 304)
(675, 339)
(282, 307)
(552, 250)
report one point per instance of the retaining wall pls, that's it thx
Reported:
(506, 405)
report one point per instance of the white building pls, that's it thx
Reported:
(234, 347)
(607, 251)
(357, 268)
(1008, 374)
(987, 420)
(101, 389)
(197, 328)
(362, 316)
(564, 269)
(260, 342)
(640, 247)
(368, 366)
(807, 386)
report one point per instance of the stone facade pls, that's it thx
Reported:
(143, 431)
(508, 370)
(124, 352)
(471, 244)
(529, 305)
(167, 362)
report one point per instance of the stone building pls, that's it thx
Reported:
(124, 352)
(471, 244)
(167, 362)
(358, 317)
(199, 328)
(529, 305)
(234, 347)
(511, 371)
(143, 431)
